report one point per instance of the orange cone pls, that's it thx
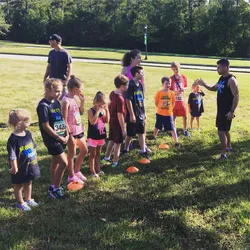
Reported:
(144, 161)
(163, 146)
(74, 186)
(132, 169)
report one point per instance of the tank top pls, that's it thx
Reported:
(224, 95)
(98, 130)
(74, 118)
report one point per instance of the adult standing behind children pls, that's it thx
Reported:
(227, 101)
(178, 85)
(59, 62)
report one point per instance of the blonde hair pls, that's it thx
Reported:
(99, 98)
(17, 116)
(51, 83)
(175, 65)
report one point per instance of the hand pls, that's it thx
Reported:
(124, 133)
(132, 119)
(63, 140)
(81, 97)
(71, 138)
(200, 82)
(230, 115)
(13, 170)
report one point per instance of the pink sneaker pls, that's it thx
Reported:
(74, 179)
(81, 176)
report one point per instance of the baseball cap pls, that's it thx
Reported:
(56, 37)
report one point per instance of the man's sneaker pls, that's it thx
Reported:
(115, 165)
(74, 179)
(106, 161)
(24, 206)
(229, 149)
(57, 193)
(223, 157)
(124, 152)
(148, 150)
(32, 203)
(186, 133)
(144, 154)
(80, 176)
(51, 188)
(177, 144)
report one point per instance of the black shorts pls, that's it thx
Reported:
(164, 122)
(222, 123)
(79, 136)
(25, 174)
(115, 135)
(56, 149)
(195, 114)
(135, 128)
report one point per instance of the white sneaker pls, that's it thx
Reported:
(32, 203)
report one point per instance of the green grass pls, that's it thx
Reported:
(184, 199)
(81, 52)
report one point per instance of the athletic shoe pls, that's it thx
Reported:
(32, 203)
(106, 161)
(51, 189)
(186, 133)
(229, 149)
(96, 176)
(148, 150)
(223, 157)
(115, 165)
(80, 176)
(74, 179)
(144, 154)
(57, 193)
(24, 206)
(101, 173)
(177, 144)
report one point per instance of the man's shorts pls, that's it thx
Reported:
(56, 149)
(195, 114)
(135, 128)
(179, 109)
(115, 135)
(95, 143)
(164, 122)
(222, 123)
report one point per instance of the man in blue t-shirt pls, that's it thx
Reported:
(59, 62)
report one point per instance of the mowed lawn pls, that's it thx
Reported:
(115, 54)
(183, 199)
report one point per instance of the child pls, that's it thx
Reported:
(178, 85)
(165, 101)
(117, 128)
(195, 104)
(98, 115)
(72, 116)
(54, 133)
(136, 112)
(23, 158)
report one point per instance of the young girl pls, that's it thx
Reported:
(54, 133)
(23, 158)
(195, 104)
(72, 116)
(98, 115)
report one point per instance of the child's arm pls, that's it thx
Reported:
(156, 99)
(189, 101)
(124, 70)
(53, 134)
(131, 111)
(122, 124)
(14, 168)
(81, 107)
(93, 118)
(65, 108)
(189, 108)
(107, 115)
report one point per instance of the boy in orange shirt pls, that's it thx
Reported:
(165, 101)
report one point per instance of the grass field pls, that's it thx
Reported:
(184, 199)
(80, 52)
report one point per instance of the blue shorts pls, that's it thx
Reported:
(164, 122)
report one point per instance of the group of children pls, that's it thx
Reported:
(60, 124)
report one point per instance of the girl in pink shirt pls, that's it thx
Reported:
(72, 115)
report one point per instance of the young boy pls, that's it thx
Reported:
(117, 127)
(178, 84)
(195, 104)
(164, 101)
(135, 111)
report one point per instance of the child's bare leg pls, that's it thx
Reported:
(174, 121)
(191, 122)
(227, 133)
(117, 148)
(61, 160)
(92, 155)
(71, 154)
(109, 149)
(98, 159)
(184, 123)
(141, 138)
(156, 130)
(18, 193)
(223, 141)
(174, 135)
(198, 122)
(53, 169)
(127, 142)
(27, 190)
(81, 143)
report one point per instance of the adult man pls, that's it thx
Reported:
(59, 62)
(227, 101)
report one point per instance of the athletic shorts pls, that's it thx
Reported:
(79, 136)
(179, 109)
(56, 149)
(195, 114)
(135, 128)
(25, 174)
(115, 135)
(222, 123)
(164, 122)
(94, 143)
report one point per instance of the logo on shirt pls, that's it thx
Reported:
(221, 86)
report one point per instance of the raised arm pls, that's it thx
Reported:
(202, 83)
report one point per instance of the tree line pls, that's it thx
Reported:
(205, 27)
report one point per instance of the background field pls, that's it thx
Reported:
(184, 199)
